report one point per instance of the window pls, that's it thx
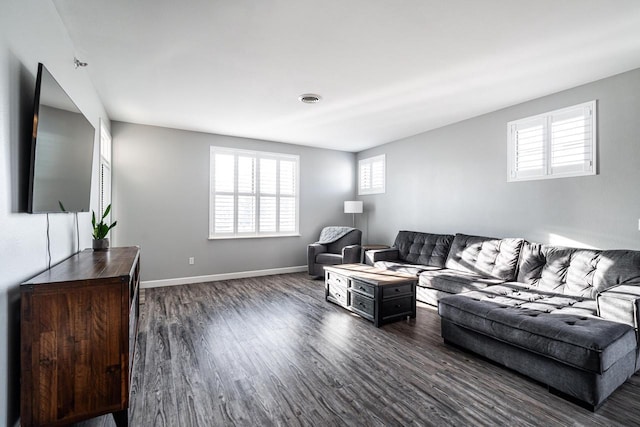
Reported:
(371, 175)
(105, 171)
(253, 194)
(561, 143)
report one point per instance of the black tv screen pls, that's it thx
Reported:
(61, 151)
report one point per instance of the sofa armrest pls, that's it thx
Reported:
(351, 254)
(389, 254)
(620, 304)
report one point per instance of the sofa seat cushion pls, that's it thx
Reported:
(542, 323)
(328, 258)
(454, 281)
(404, 267)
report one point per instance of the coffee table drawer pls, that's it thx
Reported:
(363, 288)
(336, 279)
(390, 291)
(338, 293)
(362, 304)
(397, 306)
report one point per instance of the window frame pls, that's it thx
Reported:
(256, 156)
(370, 161)
(546, 171)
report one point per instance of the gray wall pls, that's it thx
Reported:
(161, 202)
(31, 32)
(454, 179)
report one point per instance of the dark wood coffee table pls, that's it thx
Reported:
(380, 296)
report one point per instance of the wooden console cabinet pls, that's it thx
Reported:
(78, 334)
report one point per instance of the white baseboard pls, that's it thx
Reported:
(218, 277)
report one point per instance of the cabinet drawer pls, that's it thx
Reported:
(336, 279)
(362, 304)
(338, 293)
(390, 291)
(363, 288)
(397, 306)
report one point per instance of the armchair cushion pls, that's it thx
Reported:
(354, 237)
(326, 258)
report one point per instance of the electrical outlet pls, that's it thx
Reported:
(192, 260)
(639, 225)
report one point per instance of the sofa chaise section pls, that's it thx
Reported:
(570, 321)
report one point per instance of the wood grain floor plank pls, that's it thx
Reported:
(270, 351)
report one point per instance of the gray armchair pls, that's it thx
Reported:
(337, 245)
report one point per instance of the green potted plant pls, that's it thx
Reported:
(100, 230)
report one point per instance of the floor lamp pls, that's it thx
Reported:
(353, 207)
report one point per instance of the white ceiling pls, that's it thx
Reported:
(386, 69)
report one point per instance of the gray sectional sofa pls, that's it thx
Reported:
(566, 317)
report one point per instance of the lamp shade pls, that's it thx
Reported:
(353, 207)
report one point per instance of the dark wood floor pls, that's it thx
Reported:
(271, 351)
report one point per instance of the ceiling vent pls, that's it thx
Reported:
(309, 98)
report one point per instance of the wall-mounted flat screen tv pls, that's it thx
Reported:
(61, 151)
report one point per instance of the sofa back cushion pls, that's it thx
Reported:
(423, 248)
(486, 256)
(617, 267)
(577, 272)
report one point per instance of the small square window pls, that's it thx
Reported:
(371, 175)
(561, 143)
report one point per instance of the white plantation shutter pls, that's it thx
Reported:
(365, 177)
(246, 188)
(268, 213)
(105, 186)
(529, 148)
(561, 143)
(105, 172)
(253, 194)
(287, 214)
(371, 175)
(377, 174)
(224, 200)
(224, 214)
(288, 200)
(571, 141)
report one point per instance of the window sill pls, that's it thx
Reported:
(253, 236)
